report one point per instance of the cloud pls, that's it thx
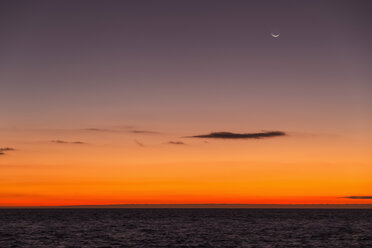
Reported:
(139, 143)
(68, 142)
(143, 132)
(98, 130)
(357, 197)
(5, 149)
(229, 135)
(176, 143)
(121, 129)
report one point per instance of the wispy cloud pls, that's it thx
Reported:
(176, 143)
(120, 130)
(143, 132)
(68, 142)
(229, 135)
(139, 143)
(99, 130)
(358, 197)
(5, 149)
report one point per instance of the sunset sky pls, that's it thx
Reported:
(175, 102)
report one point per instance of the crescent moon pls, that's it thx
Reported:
(275, 35)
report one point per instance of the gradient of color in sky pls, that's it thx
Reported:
(100, 100)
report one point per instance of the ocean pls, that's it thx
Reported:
(185, 228)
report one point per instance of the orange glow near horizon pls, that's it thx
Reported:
(298, 171)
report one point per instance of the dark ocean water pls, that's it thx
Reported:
(185, 228)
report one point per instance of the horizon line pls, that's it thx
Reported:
(206, 205)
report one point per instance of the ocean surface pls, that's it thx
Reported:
(185, 228)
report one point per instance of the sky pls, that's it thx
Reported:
(185, 102)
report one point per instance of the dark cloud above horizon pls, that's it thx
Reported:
(358, 197)
(230, 135)
(143, 132)
(5, 149)
(176, 143)
(68, 142)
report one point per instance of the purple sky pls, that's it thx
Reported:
(71, 63)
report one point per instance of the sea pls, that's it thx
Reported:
(185, 228)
